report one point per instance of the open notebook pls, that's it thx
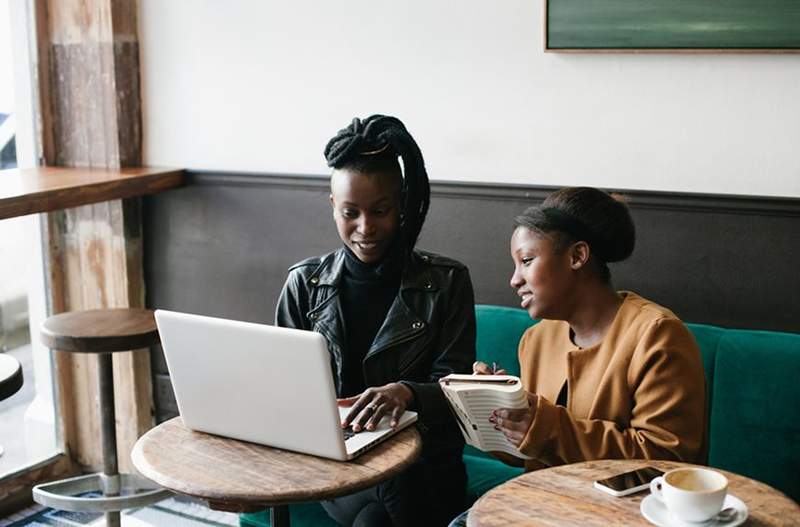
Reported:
(473, 398)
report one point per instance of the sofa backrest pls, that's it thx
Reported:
(752, 383)
(708, 338)
(755, 418)
(499, 329)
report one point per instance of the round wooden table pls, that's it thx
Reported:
(237, 476)
(565, 495)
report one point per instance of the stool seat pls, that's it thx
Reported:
(100, 330)
(10, 379)
(10, 376)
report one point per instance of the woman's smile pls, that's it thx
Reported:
(527, 298)
(367, 245)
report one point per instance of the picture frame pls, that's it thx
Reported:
(672, 26)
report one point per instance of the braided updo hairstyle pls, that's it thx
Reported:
(372, 145)
(586, 214)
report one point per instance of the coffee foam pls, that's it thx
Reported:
(694, 481)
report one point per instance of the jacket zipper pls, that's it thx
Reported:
(395, 342)
(413, 364)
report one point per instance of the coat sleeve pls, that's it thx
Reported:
(455, 350)
(667, 421)
(292, 306)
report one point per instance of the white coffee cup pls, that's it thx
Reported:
(691, 494)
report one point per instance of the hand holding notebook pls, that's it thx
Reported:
(473, 398)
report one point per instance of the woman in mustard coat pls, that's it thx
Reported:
(609, 374)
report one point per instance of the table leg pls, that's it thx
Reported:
(279, 516)
(108, 433)
(112, 519)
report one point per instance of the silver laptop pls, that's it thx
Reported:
(260, 383)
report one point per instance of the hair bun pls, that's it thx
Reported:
(362, 138)
(588, 214)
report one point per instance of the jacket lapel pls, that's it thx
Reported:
(326, 313)
(403, 322)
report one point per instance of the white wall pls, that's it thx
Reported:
(261, 86)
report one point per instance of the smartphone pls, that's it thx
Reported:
(628, 482)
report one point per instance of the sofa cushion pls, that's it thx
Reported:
(301, 514)
(755, 419)
(483, 474)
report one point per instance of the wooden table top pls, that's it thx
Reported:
(100, 330)
(238, 476)
(565, 495)
(10, 376)
(44, 189)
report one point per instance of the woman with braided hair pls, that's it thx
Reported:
(609, 374)
(396, 319)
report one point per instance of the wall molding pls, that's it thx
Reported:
(639, 199)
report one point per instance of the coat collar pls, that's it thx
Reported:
(416, 272)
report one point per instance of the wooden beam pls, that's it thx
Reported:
(46, 189)
(91, 118)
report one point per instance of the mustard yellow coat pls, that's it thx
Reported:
(639, 393)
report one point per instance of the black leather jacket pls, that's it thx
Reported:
(428, 333)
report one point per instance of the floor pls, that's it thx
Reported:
(172, 512)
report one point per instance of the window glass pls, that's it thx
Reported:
(27, 417)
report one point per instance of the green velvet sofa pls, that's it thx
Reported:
(753, 380)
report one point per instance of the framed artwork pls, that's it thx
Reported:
(733, 26)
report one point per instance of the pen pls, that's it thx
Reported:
(494, 368)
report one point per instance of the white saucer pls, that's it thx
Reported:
(656, 513)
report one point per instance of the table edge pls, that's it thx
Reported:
(252, 502)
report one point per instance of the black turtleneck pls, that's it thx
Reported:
(367, 293)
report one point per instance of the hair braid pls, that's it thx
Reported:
(380, 134)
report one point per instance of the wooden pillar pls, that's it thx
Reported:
(90, 116)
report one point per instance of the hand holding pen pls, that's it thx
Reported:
(481, 368)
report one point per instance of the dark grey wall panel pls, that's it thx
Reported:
(221, 246)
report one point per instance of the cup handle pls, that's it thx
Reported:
(655, 488)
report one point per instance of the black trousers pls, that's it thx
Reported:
(416, 497)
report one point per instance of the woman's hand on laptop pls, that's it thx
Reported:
(374, 403)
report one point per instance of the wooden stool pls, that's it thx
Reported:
(101, 331)
(10, 378)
